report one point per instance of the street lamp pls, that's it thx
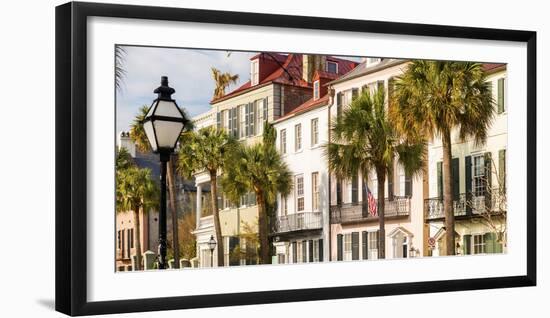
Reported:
(163, 125)
(212, 246)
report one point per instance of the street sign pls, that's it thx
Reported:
(431, 242)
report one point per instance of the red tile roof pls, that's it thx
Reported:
(488, 67)
(310, 104)
(290, 73)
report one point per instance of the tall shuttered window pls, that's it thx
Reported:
(282, 140)
(355, 246)
(339, 247)
(347, 247)
(299, 183)
(373, 245)
(314, 132)
(315, 191)
(298, 137)
(479, 243)
(364, 245)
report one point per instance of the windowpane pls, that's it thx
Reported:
(478, 179)
(347, 247)
(298, 137)
(479, 244)
(315, 191)
(283, 141)
(314, 131)
(316, 90)
(332, 67)
(300, 193)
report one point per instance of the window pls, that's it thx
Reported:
(284, 206)
(299, 253)
(259, 106)
(299, 193)
(332, 67)
(479, 179)
(479, 244)
(347, 247)
(373, 245)
(315, 191)
(254, 72)
(282, 140)
(298, 137)
(131, 238)
(314, 131)
(242, 121)
(316, 90)
(316, 256)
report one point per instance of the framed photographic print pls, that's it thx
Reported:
(208, 158)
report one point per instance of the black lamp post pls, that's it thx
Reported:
(212, 246)
(163, 125)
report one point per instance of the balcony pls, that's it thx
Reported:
(299, 221)
(466, 205)
(399, 206)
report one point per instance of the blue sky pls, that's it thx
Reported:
(188, 72)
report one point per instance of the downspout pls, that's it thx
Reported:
(331, 100)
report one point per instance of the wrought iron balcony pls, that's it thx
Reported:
(399, 206)
(297, 222)
(465, 205)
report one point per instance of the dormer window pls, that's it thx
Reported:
(254, 72)
(316, 86)
(332, 67)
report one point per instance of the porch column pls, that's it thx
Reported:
(199, 204)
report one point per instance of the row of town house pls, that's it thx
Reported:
(323, 219)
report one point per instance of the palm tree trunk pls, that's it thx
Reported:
(215, 214)
(173, 208)
(137, 239)
(381, 177)
(448, 195)
(262, 229)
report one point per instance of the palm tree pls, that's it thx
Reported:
(120, 72)
(135, 190)
(222, 81)
(137, 133)
(435, 98)
(363, 139)
(123, 159)
(207, 149)
(259, 169)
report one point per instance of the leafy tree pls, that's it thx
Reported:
(207, 150)
(363, 139)
(120, 72)
(260, 169)
(436, 98)
(135, 191)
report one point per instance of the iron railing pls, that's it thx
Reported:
(466, 204)
(297, 222)
(399, 206)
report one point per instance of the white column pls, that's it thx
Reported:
(199, 204)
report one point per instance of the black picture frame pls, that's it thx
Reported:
(71, 157)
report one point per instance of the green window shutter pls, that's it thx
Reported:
(498, 246)
(500, 96)
(339, 247)
(321, 250)
(354, 93)
(455, 174)
(440, 180)
(246, 119)
(304, 251)
(490, 242)
(294, 252)
(355, 246)
(310, 251)
(365, 244)
(265, 110)
(467, 244)
(354, 189)
(338, 191)
(468, 181)
(502, 168)
(408, 184)
(489, 177)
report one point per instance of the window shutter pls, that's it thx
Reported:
(339, 247)
(489, 242)
(311, 251)
(354, 189)
(304, 251)
(321, 250)
(339, 105)
(265, 111)
(230, 117)
(294, 252)
(218, 120)
(467, 244)
(365, 244)
(235, 131)
(408, 184)
(500, 96)
(468, 181)
(338, 191)
(440, 180)
(455, 175)
(488, 177)
(246, 119)
(354, 93)
(391, 177)
(502, 169)
(355, 246)
(252, 131)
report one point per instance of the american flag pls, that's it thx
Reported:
(372, 203)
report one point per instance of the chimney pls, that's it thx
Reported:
(124, 141)
(310, 64)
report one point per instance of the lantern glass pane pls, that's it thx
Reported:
(168, 109)
(148, 127)
(150, 112)
(167, 132)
